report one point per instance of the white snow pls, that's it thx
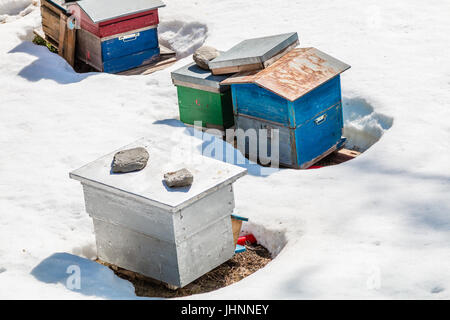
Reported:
(374, 227)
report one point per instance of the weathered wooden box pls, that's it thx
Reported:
(254, 54)
(300, 95)
(202, 98)
(172, 235)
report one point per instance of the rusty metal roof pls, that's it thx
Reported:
(294, 74)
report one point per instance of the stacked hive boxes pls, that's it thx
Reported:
(277, 86)
(202, 98)
(174, 236)
(300, 95)
(117, 35)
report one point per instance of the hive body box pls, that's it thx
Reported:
(300, 95)
(174, 236)
(117, 35)
(254, 54)
(118, 53)
(202, 98)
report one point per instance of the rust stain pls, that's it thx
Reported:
(295, 74)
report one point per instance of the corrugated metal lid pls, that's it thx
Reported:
(147, 186)
(102, 10)
(193, 74)
(295, 74)
(257, 50)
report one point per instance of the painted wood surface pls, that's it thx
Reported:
(131, 61)
(287, 154)
(147, 186)
(128, 43)
(117, 25)
(176, 248)
(115, 55)
(314, 102)
(208, 107)
(105, 10)
(252, 100)
(318, 134)
(89, 49)
(309, 127)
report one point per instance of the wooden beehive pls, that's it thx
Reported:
(172, 235)
(201, 98)
(116, 35)
(300, 95)
(55, 30)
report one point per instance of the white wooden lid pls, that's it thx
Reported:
(147, 185)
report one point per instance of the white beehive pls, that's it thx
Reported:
(172, 235)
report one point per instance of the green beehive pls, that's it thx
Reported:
(202, 98)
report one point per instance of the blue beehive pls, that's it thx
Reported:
(300, 95)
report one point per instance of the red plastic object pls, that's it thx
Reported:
(248, 238)
(315, 167)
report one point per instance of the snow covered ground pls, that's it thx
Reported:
(375, 227)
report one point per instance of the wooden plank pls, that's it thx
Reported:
(235, 69)
(53, 8)
(194, 86)
(50, 23)
(88, 49)
(344, 155)
(131, 61)
(150, 68)
(40, 33)
(236, 226)
(69, 47)
(164, 51)
(62, 34)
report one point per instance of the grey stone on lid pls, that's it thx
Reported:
(178, 179)
(130, 160)
(203, 55)
(257, 50)
(146, 185)
(194, 75)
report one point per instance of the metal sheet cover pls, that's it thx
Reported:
(102, 10)
(257, 50)
(192, 73)
(147, 184)
(295, 74)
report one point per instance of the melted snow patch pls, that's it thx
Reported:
(181, 36)
(362, 125)
(272, 239)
